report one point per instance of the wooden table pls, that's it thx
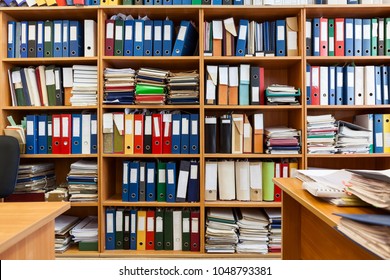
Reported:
(27, 229)
(308, 229)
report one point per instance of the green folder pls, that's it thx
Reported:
(149, 89)
(331, 37)
(161, 181)
(159, 230)
(186, 234)
(118, 137)
(374, 40)
(196, 2)
(50, 85)
(168, 229)
(119, 228)
(128, 2)
(18, 86)
(48, 42)
(118, 42)
(268, 186)
(88, 246)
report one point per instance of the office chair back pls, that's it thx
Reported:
(9, 164)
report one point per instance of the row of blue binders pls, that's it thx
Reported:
(347, 85)
(126, 36)
(162, 181)
(61, 134)
(347, 36)
(56, 38)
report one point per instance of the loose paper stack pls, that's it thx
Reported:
(183, 88)
(282, 95)
(321, 134)
(35, 177)
(151, 86)
(221, 231)
(85, 85)
(119, 86)
(82, 181)
(62, 227)
(282, 140)
(352, 139)
(86, 230)
(275, 229)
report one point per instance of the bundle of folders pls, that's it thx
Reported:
(62, 226)
(282, 95)
(150, 86)
(183, 88)
(162, 181)
(119, 86)
(82, 181)
(33, 181)
(85, 85)
(282, 140)
(143, 229)
(274, 215)
(85, 233)
(268, 38)
(352, 138)
(321, 134)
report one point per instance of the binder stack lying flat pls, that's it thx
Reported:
(183, 88)
(274, 216)
(62, 226)
(321, 134)
(151, 86)
(282, 140)
(352, 138)
(119, 86)
(221, 231)
(85, 85)
(82, 181)
(33, 182)
(253, 230)
(282, 95)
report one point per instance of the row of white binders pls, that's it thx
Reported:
(161, 181)
(245, 180)
(126, 36)
(150, 133)
(52, 38)
(347, 85)
(347, 36)
(251, 38)
(140, 229)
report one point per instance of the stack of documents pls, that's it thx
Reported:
(183, 88)
(282, 95)
(151, 86)
(119, 86)
(85, 85)
(253, 230)
(321, 134)
(352, 139)
(86, 230)
(274, 216)
(62, 226)
(371, 231)
(282, 140)
(38, 177)
(221, 231)
(371, 186)
(82, 181)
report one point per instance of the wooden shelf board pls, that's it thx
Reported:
(252, 107)
(347, 107)
(58, 156)
(160, 107)
(235, 203)
(50, 108)
(116, 200)
(347, 156)
(250, 156)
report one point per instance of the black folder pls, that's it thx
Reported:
(210, 134)
(225, 134)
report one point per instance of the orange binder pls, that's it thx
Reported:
(258, 133)
(141, 230)
(223, 84)
(217, 37)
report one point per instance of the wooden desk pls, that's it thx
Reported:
(27, 229)
(308, 230)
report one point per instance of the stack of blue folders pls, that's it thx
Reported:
(82, 181)
(119, 86)
(183, 88)
(35, 177)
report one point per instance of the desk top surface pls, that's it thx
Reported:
(19, 219)
(320, 208)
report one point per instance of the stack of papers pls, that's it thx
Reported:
(35, 177)
(119, 85)
(321, 134)
(86, 230)
(282, 95)
(62, 226)
(282, 140)
(352, 138)
(183, 88)
(85, 85)
(274, 216)
(82, 181)
(151, 86)
(371, 231)
(221, 231)
(253, 230)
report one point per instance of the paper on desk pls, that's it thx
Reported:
(328, 177)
